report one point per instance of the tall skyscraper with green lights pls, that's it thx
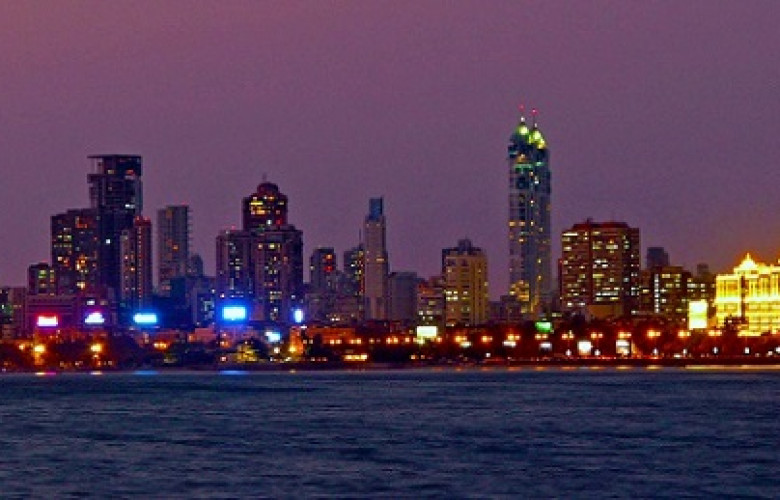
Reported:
(530, 260)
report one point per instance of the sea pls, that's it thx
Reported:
(430, 433)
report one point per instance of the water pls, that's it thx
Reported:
(498, 433)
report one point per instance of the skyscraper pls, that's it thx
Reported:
(530, 267)
(235, 265)
(354, 269)
(278, 264)
(464, 270)
(263, 263)
(136, 268)
(376, 265)
(600, 268)
(75, 251)
(115, 192)
(322, 269)
(173, 244)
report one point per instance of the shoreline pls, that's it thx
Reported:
(618, 364)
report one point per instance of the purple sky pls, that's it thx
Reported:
(662, 114)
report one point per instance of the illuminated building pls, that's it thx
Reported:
(430, 301)
(278, 272)
(75, 251)
(749, 297)
(264, 209)
(235, 265)
(173, 245)
(348, 303)
(354, 265)
(13, 307)
(136, 265)
(530, 271)
(264, 262)
(115, 193)
(664, 293)
(701, 287)
(41, 279)
(376, 265)
(600, 269)
(322, 269)
(464, 271)
(323, 284)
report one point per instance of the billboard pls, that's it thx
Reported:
(47, 321)
(95, 318)
(145, 319)
(234, 313)
(427, 332)
(697, 315)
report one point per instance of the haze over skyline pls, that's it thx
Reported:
(661, 115)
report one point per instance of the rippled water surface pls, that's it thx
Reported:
(524, 433)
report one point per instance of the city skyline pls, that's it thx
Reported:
(671, 132)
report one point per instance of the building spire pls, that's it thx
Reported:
(534, 112)
(521, 108)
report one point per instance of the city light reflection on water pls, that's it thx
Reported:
(519, 433)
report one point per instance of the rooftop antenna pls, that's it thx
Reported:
(534, 112)
(521, 107)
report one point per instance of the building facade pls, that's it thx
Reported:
(464, 274)
(664, 293)
(376, 262)
(749, 297)
(136, 266)
(173, 245)
(600, 269)
(116, 194)
(75, 251)
(41, 279)
(322, 269)
(402, 296)
(530, 264)
(266, 208)
(262, 265)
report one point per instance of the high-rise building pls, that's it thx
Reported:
(41, 279)
(402, 296)
(173, 245)
(600, 269)
(235, 265)
(136, 268)
(324, 281)
(465, 271)
(115, 192)
(264, 262)
(530, 265)
(354, 267)
(376, 264)
(264, 209)
(75, 251)
(278, 273)
(322, 269)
